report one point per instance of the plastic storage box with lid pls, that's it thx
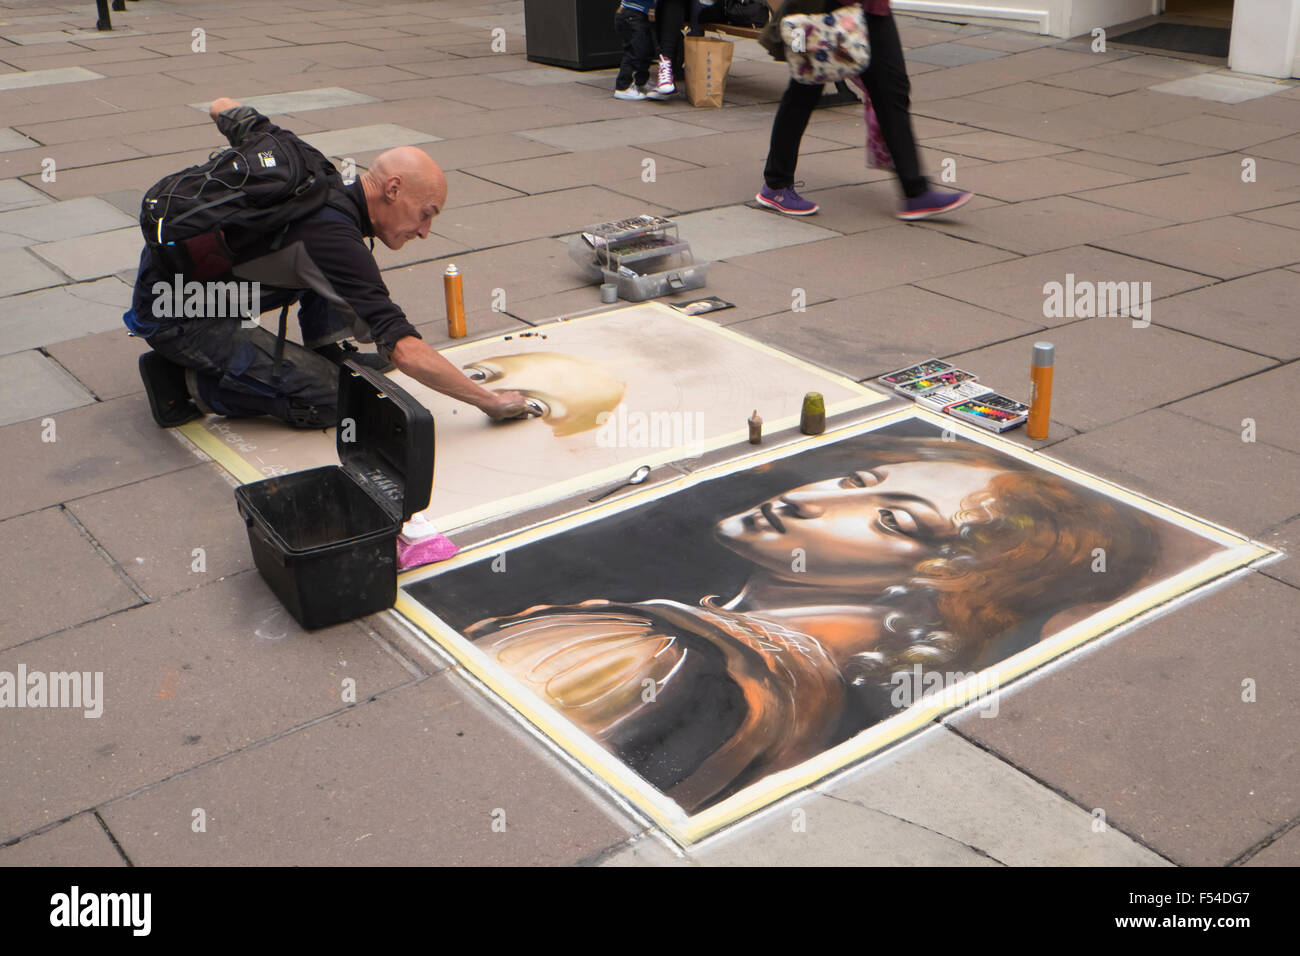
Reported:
(644, 256)
(325, 539)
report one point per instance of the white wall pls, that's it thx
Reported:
(1265, 37)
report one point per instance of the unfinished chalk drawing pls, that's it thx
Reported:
(709, 645)
(632, 386)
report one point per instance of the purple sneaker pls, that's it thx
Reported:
(932, 203)
(786, 200)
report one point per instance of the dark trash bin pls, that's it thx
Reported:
(578, 34)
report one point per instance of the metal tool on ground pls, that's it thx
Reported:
(635, 478)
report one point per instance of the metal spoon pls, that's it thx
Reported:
(635, 478)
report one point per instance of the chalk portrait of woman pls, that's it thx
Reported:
(918, 551)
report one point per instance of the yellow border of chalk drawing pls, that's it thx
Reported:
(863, 397)
(687, 829)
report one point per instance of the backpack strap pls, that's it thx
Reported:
(279, 342)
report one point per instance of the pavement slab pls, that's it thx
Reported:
(15, 194)
(1036, 178)
(20, 271)
(32, 386)
(105, 363)
(995, 147)
(1018, 287)
(602, 134)
(1260, 401)
(1286, 538)
(1107, 370)
(867, 335)
(65, 312)
(850, 265)
(63, 220)
(1221, 87)
(176, 695)
(30, 78)
(1284, 851)
(1189, 197)
(94, 448)
(360, 139)
(80, 842)
(733, 231)
(94, 256)
(160, 557)
(561, 171)
(531, 217)
(55, 578)
(1248, 487)
(1218, 778)
(1226, 247)
(1253, 312)
(1042, 225)
(928, 782)
(377, 784)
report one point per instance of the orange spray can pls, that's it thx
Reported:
(1040, 390)
(455, 290)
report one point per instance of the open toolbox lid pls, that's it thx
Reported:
(390, 451)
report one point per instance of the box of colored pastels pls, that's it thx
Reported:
(995, 412)
(913, 372)
(932, 383)
(941, 398)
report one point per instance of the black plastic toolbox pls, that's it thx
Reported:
(325, 539)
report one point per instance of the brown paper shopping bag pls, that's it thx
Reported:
(707, 61)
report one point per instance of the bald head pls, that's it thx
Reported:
(404, 190)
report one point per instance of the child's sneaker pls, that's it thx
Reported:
(932, 203)
(786, 200)
(631, 93)
(666, 86)
(652, 92)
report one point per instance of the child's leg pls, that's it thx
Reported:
(644, 49)
(626, 30)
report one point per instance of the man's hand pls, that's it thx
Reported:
(220, 105)
(505, 405)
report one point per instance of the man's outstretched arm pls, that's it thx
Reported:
(429, 367)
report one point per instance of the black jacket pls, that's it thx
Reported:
(324, 256)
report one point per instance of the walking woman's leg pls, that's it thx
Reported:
(890, 90)
(788, 126)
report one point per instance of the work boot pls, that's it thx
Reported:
(164, 384)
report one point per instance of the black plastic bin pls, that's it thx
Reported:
(325, 539)
(578, 34)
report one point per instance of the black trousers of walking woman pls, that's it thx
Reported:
(890, 92)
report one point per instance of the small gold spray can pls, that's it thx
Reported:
(455, 290)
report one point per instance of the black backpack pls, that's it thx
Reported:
(197, 222)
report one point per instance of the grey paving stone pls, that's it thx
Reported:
(952, 54)
(1264, 399)
(693, 189)
(65, 312)
(1107, 370)
(1284, 851)
(177, 692)
(817, 830)
(30, 78)
(1253, 312)
(602, 134)
(996, 147)
(857, 207)
(20, 271)
(565, 170)
(64, 220)
(1288, 215)
(105, 363)
(868, 335)
(32, 386)
(360, 139)
(386, 782)
(1099, 79)
(1192, 466)
(55, 578)
(1035, 97)
(641, 851)
(532, 217)
(469, 190)
(752, 294)
(1218, 131)
(80, 842)
(301, 101)
(739, 230)
(1144, 148)
(930, 780)
(1016, 288)
(11, 139)
(1221, 87)
(1036, 178)
(1286, 538)
(1152, 729)
(1226, 247)
(1037, 225)
(851, 265)
(159, 555)
(95, 447)
(15, 194)
(94, 256)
